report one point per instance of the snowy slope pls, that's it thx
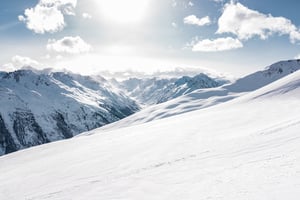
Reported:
(246, 148)
(40, 107)
(264, 77)
(43, 106)
(207, 97)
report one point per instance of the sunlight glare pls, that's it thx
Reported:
(124, 11)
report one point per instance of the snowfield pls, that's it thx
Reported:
(46, 106)
(203, 98)
(246, 148)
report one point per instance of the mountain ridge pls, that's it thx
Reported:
(45, 106)
(41, 108)
(203, 98)
(247, 148)
(151, 91)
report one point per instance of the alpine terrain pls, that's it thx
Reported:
(202, 98)
(151, 91)
(40, 107)
(43, 106)
(245, 148)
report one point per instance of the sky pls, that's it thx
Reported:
(234, 37)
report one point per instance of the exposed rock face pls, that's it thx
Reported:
(38, 107)
(7, 144)
(41, 107)
(27, 130)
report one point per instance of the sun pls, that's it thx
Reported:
(123, 11)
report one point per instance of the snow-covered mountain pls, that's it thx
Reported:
(261, 78)
(246, 148)
(157, 90)
(44, 106)
(203, 98)
(40, 107)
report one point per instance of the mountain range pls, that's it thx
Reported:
(41, 106)
(246, 147)
(151, 91)
(203, 98)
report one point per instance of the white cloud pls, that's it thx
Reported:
(192, 19)
(86, 16)
(66, 6)
(246, 23)
(191, 4)
(18, 62)
(220, 44)
(21, 61)
(48, 15)
(43, 19)
(70, 45)
(8, 67)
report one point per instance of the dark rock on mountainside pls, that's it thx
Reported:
(157, 90)
(40, 107)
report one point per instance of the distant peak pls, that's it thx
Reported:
(282, 67)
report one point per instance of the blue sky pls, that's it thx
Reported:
(88, 36)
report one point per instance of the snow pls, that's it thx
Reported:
(150, 91)
(203, 98)
(81, 102)
(246, 148)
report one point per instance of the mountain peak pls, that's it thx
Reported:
(281, 67)
(45, 107)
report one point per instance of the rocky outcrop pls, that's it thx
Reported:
(7, 144)
(44, 107)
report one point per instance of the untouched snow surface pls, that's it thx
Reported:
(203, 98)
(246, 148)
